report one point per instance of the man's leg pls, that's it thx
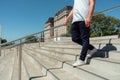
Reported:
(76, 35)
(84, 34)
(80, 35)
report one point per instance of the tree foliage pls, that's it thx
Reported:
(31, 39)
(102, 25)
(69, 30)
(3, 41)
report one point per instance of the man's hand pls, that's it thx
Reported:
(65, 22)
(90, 13)
(68, 17)
(88, 22)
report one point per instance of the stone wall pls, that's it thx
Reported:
(59, 19)
(49, 33)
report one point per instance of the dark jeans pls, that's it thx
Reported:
(80, 35)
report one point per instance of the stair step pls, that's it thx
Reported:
(99, 53)
(101, 46)
(72, 54)
(92, 40)
(3, 62)
(83, 73)
(46, 64)
(108, 75)
(51, 54)
(86, 73)
(65, 56)
(15, 69)
(105, 61)
(104, 47)
(49, 76)
(65, 75)
(6, 67)
(65, 50)
(96, 65)
(106, 64)
(31, 63)
(45, 60)
(114, 54)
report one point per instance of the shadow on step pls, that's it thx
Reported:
(36, 77)
(46, 74)
(102, 53)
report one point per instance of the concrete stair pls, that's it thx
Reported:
(95, 63)
(54, 68)
(67, 52)
(53, 61)
(6, 65)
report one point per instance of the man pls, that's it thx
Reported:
(82, 15)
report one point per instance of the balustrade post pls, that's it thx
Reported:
(20, 61)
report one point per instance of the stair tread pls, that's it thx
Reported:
(15, 69)
(115, 52)
(6, 73)
(65, 75)
(61, 58)
(30, 63)
(75, 44)
(111, 60)
(45, 62)
(42, 78)
(105, 59)
(95, 71)
(90, 68)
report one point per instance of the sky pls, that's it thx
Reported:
(19, 18)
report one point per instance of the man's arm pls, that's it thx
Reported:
(90, 13)
(68, 17)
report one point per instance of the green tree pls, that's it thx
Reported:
(3, 41)
(104, 25)
(31, 39)
(69, 30)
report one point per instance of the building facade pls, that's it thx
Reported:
(49, 33)
(58, 19)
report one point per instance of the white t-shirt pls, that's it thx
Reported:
(80, 10)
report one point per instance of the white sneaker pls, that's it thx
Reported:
(78, 63)
(91, 52)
